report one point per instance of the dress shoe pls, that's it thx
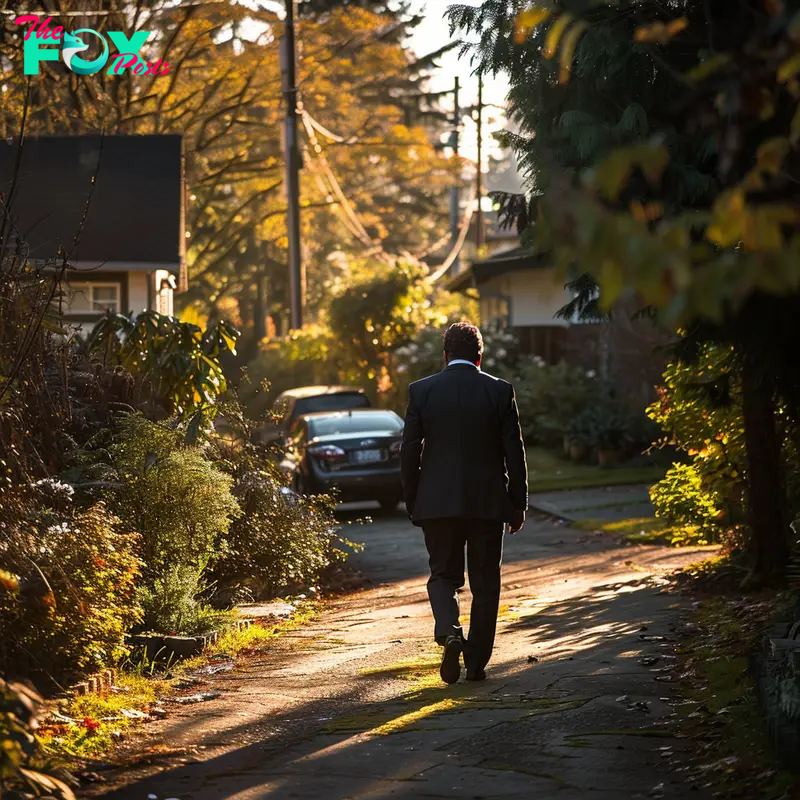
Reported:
(450, 670)
(476, 674)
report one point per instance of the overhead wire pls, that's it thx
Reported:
(350, 218)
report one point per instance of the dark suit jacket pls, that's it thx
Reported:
(463, 454)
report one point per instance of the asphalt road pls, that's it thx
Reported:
(350, 705)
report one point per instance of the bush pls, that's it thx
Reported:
(277, 545)
(178, 502)
(699, 411)
(550, 397)
(602, 425)
(302, 359)
(176, 365)
(174, 602)
(172, 495)
(68, 597)
(688, 507)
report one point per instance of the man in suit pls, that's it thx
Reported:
(464, 479)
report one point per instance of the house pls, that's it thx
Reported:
(521, 290)
(114, 205)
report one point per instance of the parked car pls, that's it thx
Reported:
(355, 452)
(293, 404)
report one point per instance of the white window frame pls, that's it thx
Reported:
(89, 286)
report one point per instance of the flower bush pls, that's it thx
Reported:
(69, 590)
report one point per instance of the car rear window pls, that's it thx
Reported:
(355, 423)
(330, 402)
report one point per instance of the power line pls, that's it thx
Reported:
(359, 230)
(456, 249)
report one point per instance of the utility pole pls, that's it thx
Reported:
(480, 235)
(454, 191)
(292, 180)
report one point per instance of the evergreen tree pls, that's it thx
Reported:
(661, 147)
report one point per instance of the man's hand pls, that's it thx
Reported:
(517, 521)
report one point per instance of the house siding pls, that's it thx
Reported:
(536, 296)
(138, 283)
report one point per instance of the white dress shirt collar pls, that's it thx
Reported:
(462, 361)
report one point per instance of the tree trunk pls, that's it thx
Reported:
(766, 501)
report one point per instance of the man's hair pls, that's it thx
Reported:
(463, 340)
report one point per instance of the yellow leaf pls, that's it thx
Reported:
(554, 34)
(613, 172)
(771, 153)
(526, 21)
(610, 283)
(660, 32)
(763, 226)
(789, 68)
(653, 161)
(568, 50)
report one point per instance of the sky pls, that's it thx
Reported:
(428, 37)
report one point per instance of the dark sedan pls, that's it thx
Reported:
(356, 453)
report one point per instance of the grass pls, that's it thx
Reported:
(550, 471)
(636, 530)
(100, 717)
(100, 721)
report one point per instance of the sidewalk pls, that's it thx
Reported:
(578, 704)
(607, 503)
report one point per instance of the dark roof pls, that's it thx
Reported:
(135, 212)
(520, 258)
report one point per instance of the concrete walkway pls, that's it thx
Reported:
(604, 502)
(578, 703)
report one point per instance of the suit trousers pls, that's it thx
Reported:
(446, 540)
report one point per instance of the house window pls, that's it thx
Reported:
(92, 298)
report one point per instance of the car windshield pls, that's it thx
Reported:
(355, 423)
(330, 402)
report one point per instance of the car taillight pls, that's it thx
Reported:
(328, 452)
(395, 448)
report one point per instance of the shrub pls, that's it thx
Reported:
(176, 365)
(172, 495)
(602, 425)
(550, 397)
(699, 411)
(687, 505)
(174, 601)
(68, 597)
(277, 545)
(302, 359)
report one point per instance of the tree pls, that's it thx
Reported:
(715, 255)
(372, 180)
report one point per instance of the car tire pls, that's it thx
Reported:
(299, 484)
